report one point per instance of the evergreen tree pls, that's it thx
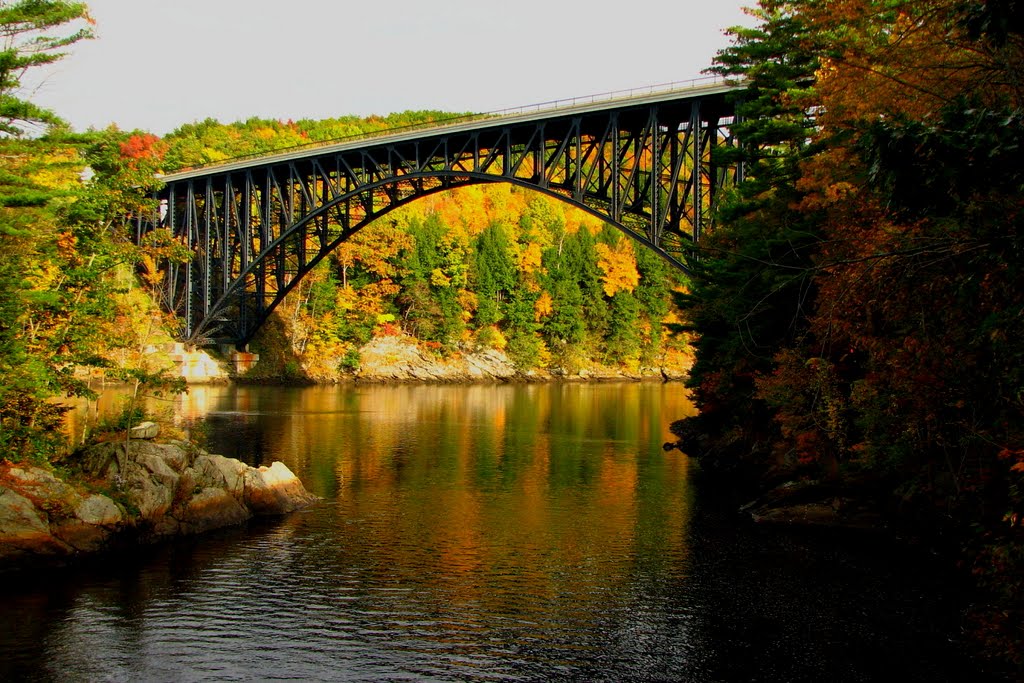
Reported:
(495, 273)
(26, 26)
(55, 255)
(751, 282)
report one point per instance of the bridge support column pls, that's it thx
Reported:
(240, 362)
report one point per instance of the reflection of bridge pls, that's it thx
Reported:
(642, 163)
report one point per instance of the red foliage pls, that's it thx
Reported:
(142, 147)
(388, 330)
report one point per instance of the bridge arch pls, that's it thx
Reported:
(255, 228)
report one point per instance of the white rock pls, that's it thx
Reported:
(144, 430)
(97, 509)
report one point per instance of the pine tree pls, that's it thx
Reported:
(751, 282)
(25, 25)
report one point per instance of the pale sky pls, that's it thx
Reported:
(157, 64)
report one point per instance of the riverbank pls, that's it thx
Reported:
(859, 503)
(399, 358)
(128, 492)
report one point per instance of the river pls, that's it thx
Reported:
(484, 533)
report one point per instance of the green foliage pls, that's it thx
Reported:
(350, 361)
(494, 272)
(751, 284)
(28, 43)
(62, 242)
(129, 416)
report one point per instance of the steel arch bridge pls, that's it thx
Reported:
(255, 227)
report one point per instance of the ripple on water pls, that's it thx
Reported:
(491, 534)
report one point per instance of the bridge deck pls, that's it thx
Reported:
(534, 113)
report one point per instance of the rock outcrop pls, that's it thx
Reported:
(815, 504)
(400, 359)
(397, 359)
(144, 489)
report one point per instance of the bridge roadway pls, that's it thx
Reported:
(256, 225)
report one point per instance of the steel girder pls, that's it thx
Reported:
(254, 231)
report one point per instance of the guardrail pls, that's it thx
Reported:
(550, 105)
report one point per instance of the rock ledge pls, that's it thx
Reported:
(145, 491)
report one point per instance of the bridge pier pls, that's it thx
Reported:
(240, 362)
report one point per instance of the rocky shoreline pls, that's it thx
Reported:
(399, 359)
(140, 491)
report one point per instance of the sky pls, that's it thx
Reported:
(157, 64)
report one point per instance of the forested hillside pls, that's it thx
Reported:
(860, 308)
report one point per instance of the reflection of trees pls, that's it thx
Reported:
(545, 518)
(497, 499)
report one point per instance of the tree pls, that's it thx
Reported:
(751, 286)
(494, 271)
(26, 26)
(51, 296)
(858, 307)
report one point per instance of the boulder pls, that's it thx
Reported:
(806, 514)
(175, 457)
(168, 490)
(218, 471)
(80, 536)
(157, 468)
(490, 364)
(144, 430)
(24, 528)
(212, 508)
(39, 483)
(815, 504)
(99, 510)
(151, 497)
(103, 459)
(274, 490)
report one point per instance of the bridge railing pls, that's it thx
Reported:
(538, 107)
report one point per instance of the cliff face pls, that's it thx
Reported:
(142, 490)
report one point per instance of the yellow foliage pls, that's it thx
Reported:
(491, 337)
(618, 265)
(544, 306)
(211, 155)
(439, 279)
(530, 258)
(543, 355)
(60, 170)
(347, 298)
(468, 301)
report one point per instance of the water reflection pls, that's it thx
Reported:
(484, 533)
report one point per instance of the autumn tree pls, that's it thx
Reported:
(857, 308)
(56, 258)
(751, 282)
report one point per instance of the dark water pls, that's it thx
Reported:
(481, 533)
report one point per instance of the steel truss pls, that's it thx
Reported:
(256, 230)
